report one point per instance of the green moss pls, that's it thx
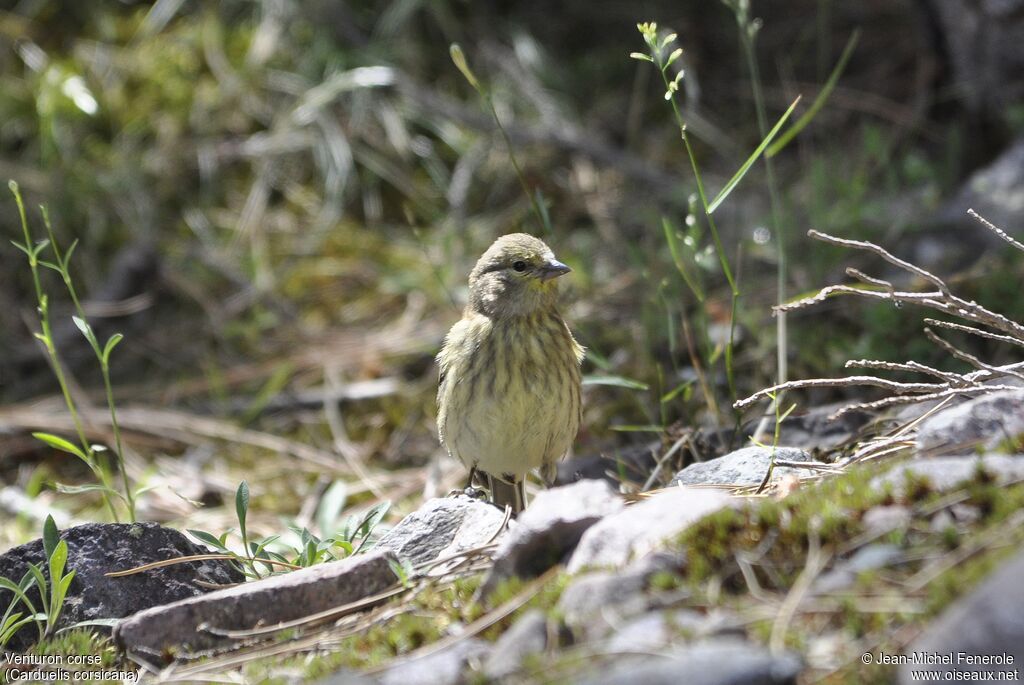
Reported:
(665, 581)
(830, 510)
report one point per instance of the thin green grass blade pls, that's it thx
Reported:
(738, 176)
(819, 101)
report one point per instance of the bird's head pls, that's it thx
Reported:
(515, 277)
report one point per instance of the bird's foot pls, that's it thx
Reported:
(469, 491)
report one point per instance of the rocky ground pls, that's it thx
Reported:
(839, 570)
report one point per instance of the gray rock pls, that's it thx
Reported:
(980, 424)
(658, 629)
(885, 518)
(347, 677)
(173, 629)
(527, 636)
(844, 573)
(987, 622)
(644, 526)
(438, 668)
(996, 192)
(814, 429)
(441, 527)
(945, 473)
(95, 549)
(596, 603)
(746, 466)
(713, 662)
(983, 41)
(550, 529)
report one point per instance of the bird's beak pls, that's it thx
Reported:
(553, 269)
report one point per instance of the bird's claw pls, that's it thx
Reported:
(471, 492)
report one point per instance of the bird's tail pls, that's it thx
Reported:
(503, 492)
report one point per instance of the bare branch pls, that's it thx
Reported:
(860, 275)
(848, 381)
(974, 331)
(992, 227)
(915, 399)
(966, 357)
(951, 384)
(912, 367)
(884, 254)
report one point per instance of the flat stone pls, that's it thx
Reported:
(844, 573)
(95, 549)
(550, 528)
(746, 466)
(885, 518)
(347, 677)
(981, 424)
(658, 629)
(945, 473)
(814, 429)
(441, 527)
(987, 622)
(527, 636)
(708, 662)
(596, 602)
(643, 527)
(439, 668)
(167, 631)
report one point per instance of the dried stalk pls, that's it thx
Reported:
(942, 299)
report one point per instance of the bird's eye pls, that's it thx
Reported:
(519, 266)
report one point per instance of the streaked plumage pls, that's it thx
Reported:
(509, 396)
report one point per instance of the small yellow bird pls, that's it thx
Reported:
(509, 395)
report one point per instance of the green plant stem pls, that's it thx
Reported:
(748, 32)
(104, 367)
(47, 339)
(719, 248)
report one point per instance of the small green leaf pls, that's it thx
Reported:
(738, 176)
(207, 538)
(242, 507)
(331, 504)
(616, 381)
(67, 255)
(86, 329)
(111, 344)
(44, 593)
(20, 591)
(674, 392)
(51, 536)
(39, 247)
(459, 58)
(22, 248)
(61, 444)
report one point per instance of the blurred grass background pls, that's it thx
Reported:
(278, 202)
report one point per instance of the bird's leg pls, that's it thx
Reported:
(470, 490)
